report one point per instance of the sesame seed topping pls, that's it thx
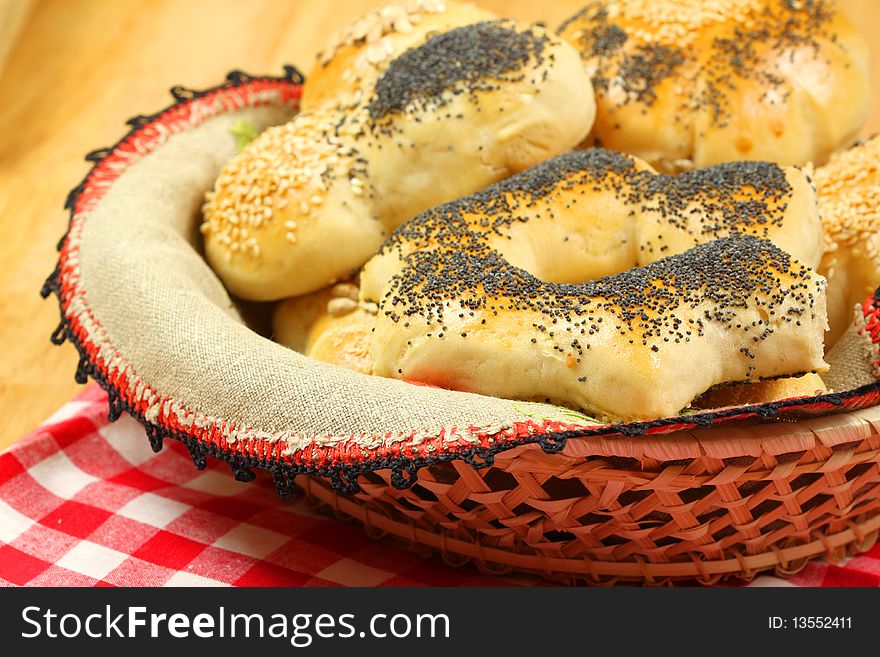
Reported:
(340, 306)
(370, 28)
(848, 191)
(295, 162)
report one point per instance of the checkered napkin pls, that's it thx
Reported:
(87, 503)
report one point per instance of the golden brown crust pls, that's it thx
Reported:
(307, 203)
(254, 189)
(283, 201)
(357, 55)
(848, 192)
(848, 188)
(762, 392)
(328, 325)
(688, 83)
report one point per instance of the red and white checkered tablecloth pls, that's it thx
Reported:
(84, 502)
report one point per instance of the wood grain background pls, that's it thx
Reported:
(71, 73)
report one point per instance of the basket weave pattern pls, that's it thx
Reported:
(606, 518)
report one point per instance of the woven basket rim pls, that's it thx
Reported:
(244, 456)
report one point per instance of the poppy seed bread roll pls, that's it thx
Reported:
(307, 203)
(609, 212)
(471, 106)
(689, 83)
(525, 277)
(637, 345)
(750, 198)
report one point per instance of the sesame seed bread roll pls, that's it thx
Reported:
(288, 215)
(294, 318)
(848, 189)
(307, 203)
(497, 283)
(357, 55)
(690, 83)
(344, 340)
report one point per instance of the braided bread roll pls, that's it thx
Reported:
(690, 83)
(307, 203)
(494, 283)
(848, 189)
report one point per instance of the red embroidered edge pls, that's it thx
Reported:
(871, 329)
(190, 109)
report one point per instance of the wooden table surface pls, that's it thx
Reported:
(71, 73)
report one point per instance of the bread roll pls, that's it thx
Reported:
(327, 325)
(633, 346)
(762, 392)
(508, 281)
(609, 212)
(849, 192)
(293, 319)
(689, 83)
(307, 203)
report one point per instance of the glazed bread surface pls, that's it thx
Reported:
(689, 83)
(609, 212)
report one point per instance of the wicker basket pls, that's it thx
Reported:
(694, 506)
(685, 498)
